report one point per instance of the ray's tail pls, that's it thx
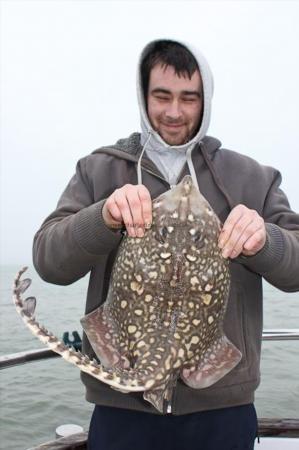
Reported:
(126, 380)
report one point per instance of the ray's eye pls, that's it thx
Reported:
(197, 237)
(162, 234)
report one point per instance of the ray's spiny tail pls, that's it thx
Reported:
(26, 309)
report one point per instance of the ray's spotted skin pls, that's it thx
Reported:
(163, 316)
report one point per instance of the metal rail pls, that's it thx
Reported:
(16, 359)
(24, 357)
(281, 335)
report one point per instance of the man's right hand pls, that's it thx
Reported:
(130, 206)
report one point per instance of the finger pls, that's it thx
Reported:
(255, 243)
(242, 230)
(233, 217)
(255, 228)
(113, 210)
(146, 204)
(136, 210)
(121, 201)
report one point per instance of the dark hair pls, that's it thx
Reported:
(168, 53)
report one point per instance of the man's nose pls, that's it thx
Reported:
(173, 110)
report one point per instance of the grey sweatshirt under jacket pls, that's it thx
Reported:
(74, 241)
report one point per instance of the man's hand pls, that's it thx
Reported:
(131, 206)
(243, 232)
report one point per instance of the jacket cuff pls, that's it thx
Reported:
(91, 232)
(270, 255)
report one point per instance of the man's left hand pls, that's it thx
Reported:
(243, 232)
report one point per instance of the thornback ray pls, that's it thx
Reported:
(163, 316)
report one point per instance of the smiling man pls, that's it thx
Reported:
(112, 190)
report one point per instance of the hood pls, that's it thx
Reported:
(207, 81)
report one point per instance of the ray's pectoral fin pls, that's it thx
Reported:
(102, 335)
(221, 359)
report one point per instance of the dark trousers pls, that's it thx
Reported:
(222, 429)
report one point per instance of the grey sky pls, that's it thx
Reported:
(68, 86)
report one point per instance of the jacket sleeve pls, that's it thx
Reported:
(73, 238)
(278, 261)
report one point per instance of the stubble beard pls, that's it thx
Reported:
(175, 140)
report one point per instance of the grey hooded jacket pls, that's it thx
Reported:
(74, 241)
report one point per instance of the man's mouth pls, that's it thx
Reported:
(172, 125)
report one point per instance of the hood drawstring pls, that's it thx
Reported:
(139, 173)
(190, 165)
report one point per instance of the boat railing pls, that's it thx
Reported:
(281, 334)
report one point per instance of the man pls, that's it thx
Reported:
(112, 189)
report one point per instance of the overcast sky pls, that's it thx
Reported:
(68, 87)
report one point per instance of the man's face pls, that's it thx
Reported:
(174, 104)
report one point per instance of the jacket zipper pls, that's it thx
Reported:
(155, 175)
(161, 178)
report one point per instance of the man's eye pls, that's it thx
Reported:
(163, 99)
(189, 99)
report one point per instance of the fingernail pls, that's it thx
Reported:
(220, 243)
(131, 231)
(225, 253)
(140, 232)
(234, 254)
